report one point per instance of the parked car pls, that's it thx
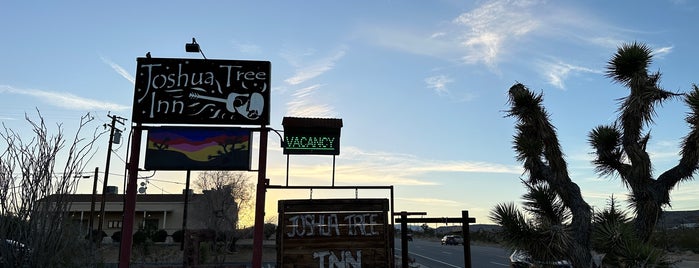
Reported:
(521, 259)
(452, 240)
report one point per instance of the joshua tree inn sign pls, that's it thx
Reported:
(193, 91)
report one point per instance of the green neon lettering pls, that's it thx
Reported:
(310, 143)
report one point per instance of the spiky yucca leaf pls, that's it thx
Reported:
(544, 204)
(629, 61)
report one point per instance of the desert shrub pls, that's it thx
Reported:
(140, 237)
(686, 239)
(159, 236)
(96, 235)
(116, 237)
(178, 236)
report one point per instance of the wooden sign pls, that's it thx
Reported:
(193, 91)
(334, 233)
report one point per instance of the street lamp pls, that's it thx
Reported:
(193, 47)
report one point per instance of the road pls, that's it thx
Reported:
(432, 254)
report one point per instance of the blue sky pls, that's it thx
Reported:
(420, 85)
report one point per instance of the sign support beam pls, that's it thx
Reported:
(258, 230)
(130, 203)
(464, 220)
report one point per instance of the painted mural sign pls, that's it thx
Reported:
(198, 148)
(351, 233)
(193, 91)
(317, 136)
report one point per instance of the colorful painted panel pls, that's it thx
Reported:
(198, 148)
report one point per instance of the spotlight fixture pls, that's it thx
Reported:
(193, 47)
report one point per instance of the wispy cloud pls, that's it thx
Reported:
(662, 51)
(303, 105)
(479, 36)
(121, 71)
(489, 27)
(65, 100)
(303, 102)
(432, 201)
(247, 48)
(315, 69)
(557, 72)
(372, 167)
(438, 83)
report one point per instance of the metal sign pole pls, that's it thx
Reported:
(130, 203)
(258, 230)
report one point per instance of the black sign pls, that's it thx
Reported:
(193, 91)
(318, 136)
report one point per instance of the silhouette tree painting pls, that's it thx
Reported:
(537, 147)
(228, 149)
(620, 148)
(162, 145)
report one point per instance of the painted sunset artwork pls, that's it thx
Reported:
(198, 148)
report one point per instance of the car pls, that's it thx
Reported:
(452, 240)
(521, 259)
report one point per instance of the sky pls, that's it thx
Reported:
(420, 86)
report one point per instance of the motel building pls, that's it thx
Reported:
(153, 211)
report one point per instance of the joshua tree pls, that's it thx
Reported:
(538, 149)
(621, 147)
(613, 235)
(545, 236)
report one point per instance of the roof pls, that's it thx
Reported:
(305, 122)
(141, 198)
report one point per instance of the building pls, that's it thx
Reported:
(156, 211)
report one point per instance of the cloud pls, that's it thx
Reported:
(439, 44)
(662, 51)
(247, 48)
(433, 201)
(65, 100)
(557, 72)
(121, 71)
(490, 26)
(438, 83)
(315, 69)
(479, 36)
(302, 104)
(384, 168)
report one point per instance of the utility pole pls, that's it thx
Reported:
(92, 204)
(112, 130)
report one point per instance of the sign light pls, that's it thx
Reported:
(320, 136)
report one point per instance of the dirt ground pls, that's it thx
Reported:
(687, 259)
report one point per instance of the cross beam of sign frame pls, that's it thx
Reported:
(464, 220)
